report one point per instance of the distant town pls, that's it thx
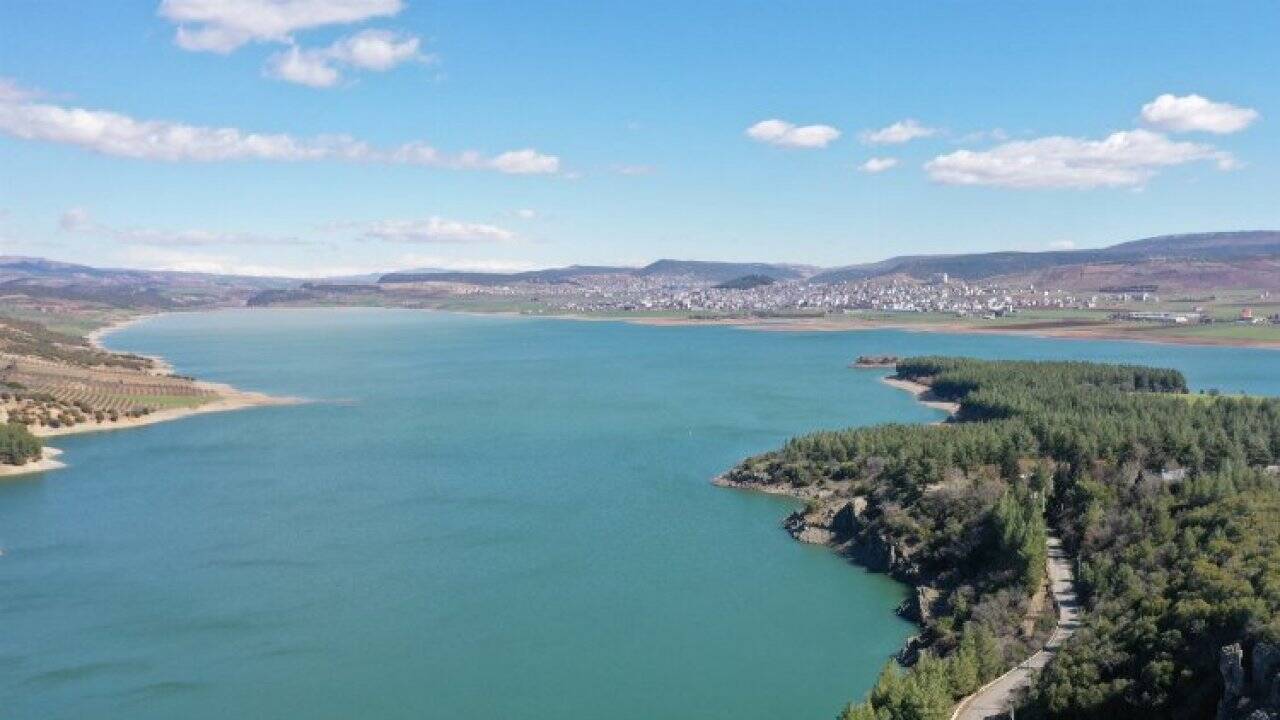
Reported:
(615, 293)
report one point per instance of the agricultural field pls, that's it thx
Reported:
(72, 320)
(54, 380)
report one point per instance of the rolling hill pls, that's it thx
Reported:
(1226, 248)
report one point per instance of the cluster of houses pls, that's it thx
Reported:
(942, 295)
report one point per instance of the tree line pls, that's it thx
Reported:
(1163, 495)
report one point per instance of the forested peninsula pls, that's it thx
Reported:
(1166, 499)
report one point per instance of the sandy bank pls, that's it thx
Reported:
(923, 394)
(228, 399)
(48, 461)
(95, 338)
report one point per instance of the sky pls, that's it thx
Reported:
(335, 137)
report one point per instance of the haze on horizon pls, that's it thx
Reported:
(332, 137)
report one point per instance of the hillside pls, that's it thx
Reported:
(1170, 523)
(718, 272)
(47, 281)
(1229, 251)
(1174, 263)
(698, 271)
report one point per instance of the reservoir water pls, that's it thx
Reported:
(476, 517)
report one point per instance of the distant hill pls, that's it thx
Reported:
(1213, 247)
(697, 270)
(718, 272)
(51, 281)
(1173, 263)
(551, 275)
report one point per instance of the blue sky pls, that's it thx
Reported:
(336, 136)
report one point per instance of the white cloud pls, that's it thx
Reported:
(116, 134)
(374, 50)
(223, 25)
(785, 134)
(1122, 159)
(900, 132)
(433, 230)
(878, 165)
(1191, 113)
(377, 50)
(78, 220)
(526, 214)
(303, 67)
(525, 162)
(1062, 245)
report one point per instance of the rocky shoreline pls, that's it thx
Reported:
(834, 521)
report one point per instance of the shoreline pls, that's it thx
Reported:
(799, 524)
(48, 461)
(228, 398)
(96, 336)
(923, 395)
(805, 324)
(828, 324)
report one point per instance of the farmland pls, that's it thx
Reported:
(50, 380)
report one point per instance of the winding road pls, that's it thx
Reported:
(993, 699)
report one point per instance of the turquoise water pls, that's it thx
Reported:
(479, 517)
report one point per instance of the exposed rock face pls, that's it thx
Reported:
(838, 523)
(1231, 665)
(875, 552)
(808, 528)
(1250, 690)
(845, 522)
(918, 607)
(910, 652)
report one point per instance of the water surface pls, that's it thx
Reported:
(479, 517)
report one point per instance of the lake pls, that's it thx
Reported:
(474, 517)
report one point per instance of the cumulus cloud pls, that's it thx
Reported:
(78, 220)
(377, 50)
(900, 132)
(525, 162)
(785, 134)
(112, 133)
(374, 50)
(303, 67)
(433, 230)
(878, 165)
(1122, 159)
(1193, 113)
(1062, 245)
(222, 26)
